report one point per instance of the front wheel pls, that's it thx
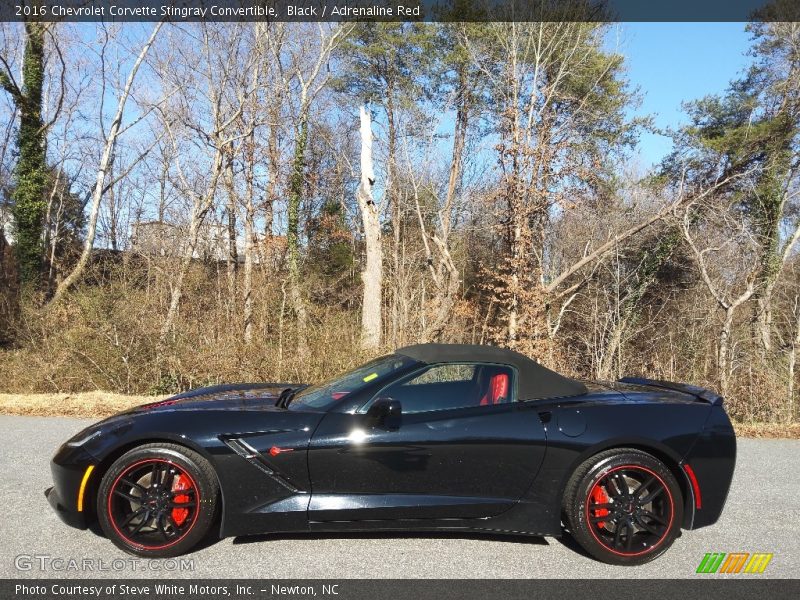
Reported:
(158, 500)
(624, 507)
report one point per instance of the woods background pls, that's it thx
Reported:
(200, 203)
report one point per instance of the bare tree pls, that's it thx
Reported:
(106, 162)
(372, 275)
(434, 207)
(793, 345)
(214, 79)
(303, 80)
(264, 36)
(732, 236)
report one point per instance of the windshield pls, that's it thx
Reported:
(323, 395)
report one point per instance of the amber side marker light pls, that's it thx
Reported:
(82, 489)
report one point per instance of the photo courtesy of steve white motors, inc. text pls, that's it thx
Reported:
(73, 590)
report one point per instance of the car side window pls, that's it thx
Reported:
(448, 386)
(444, 374)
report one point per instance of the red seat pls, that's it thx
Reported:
(498, 390)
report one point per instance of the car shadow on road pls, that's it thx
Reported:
(212, 539)
(209, 540)
(383, 535)
(569, 542)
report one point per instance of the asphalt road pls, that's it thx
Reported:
(762, 515)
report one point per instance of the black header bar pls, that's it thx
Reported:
(397, 10)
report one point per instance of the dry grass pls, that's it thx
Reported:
(103, 404)
(84, 404)
(768, 430)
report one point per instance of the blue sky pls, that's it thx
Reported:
(675, 62)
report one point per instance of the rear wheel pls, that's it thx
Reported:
(158, 500)
(624, 507)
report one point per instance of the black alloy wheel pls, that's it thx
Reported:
(624, 507)
(157, 500)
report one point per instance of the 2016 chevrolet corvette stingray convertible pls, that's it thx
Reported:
(432, 437)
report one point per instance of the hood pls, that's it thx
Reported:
(237, 396)
(240, 399)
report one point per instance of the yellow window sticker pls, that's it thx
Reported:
(370, 377)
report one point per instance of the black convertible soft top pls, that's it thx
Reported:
(535, 381)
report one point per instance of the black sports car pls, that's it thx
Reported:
(432, 437)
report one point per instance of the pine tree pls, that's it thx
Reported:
(754, 131)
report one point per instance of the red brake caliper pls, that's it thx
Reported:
(181, 483)
(599, 496)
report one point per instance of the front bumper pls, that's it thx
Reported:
(71, 517)
(68, 468)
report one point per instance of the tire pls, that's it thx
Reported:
(158, 500)
(640, 498)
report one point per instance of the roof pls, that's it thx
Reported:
(535, 381)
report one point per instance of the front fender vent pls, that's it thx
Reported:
(255, 458)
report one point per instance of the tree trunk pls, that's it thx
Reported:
(610, 351)
(249, 242)
(200, 208)
(55, 233)
(112, 213)
(30, 173)
(274, 160)
(266, 249)
(517, 253)
(372, 275)
(52, 229)
(513, 202)
(232, 254)
(293, 234)
(792, 359)
(446, 278)
(247, 284)
(446, 281)
(769, 270)
(459, 141)
(392, 200)
(763, 321)
(446, 297)
(162, 191)
(723, 351)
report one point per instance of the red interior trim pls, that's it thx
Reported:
(498, 390)
(499, 387)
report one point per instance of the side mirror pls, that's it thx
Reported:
(385, 413)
